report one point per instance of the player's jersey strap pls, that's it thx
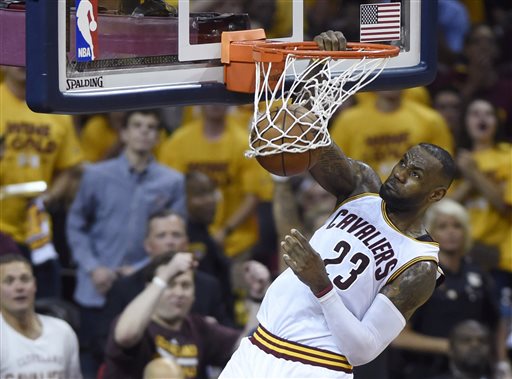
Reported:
(292, 351)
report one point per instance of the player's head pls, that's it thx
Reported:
(166, 232)
(141, 130)
(17, 285)
(177, 299)
(201, 197)
(420, 178)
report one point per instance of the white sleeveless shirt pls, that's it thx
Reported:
(362, 252)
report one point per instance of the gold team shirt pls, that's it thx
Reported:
(222, 160)
(97, 138)
(380, 139)
(36, 146)
(419, 95)
(487, 224)
(506, 245)
(240, 117)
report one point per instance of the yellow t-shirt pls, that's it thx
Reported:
(417, 94)
(36, 147)
(506, 245)
(380, 139)
(97, 137)
(241, 117)
(487, 225)
(222, 160)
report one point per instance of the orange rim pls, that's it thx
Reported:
(267, 51)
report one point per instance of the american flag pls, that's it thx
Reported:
(380, 22)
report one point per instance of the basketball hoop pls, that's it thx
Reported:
(267, 68)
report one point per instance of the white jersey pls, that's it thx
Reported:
(362, 251)
(53, 355)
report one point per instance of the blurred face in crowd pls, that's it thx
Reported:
(140, 134)
(449, 232)
(471, 347)
(17, 288)
(481, 46)
(177, 299)
(390, 95)
(481, 122)
(201, 199)
(448, 103)
(166, 234)
(215, 112)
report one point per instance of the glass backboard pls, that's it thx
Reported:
(104, 55)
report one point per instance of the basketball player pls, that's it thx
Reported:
(349, 291)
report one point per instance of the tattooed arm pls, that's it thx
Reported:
(343, 176)
(412, 288)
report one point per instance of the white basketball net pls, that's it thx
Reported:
(321, 92)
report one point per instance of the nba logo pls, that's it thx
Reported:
(86, 30)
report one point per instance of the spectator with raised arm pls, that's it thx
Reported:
(158, 322)
(166, 234)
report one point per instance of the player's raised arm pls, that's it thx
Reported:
(338, 174)
(335, 172)
(343, 176)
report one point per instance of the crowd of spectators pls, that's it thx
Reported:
(135, 197)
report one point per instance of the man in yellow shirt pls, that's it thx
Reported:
(38, 147)
(216, 147)
(379, 132)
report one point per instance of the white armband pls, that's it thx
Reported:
(159, 282)
(361, 341)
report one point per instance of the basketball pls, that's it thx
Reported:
(286, 129)
(93, 25)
